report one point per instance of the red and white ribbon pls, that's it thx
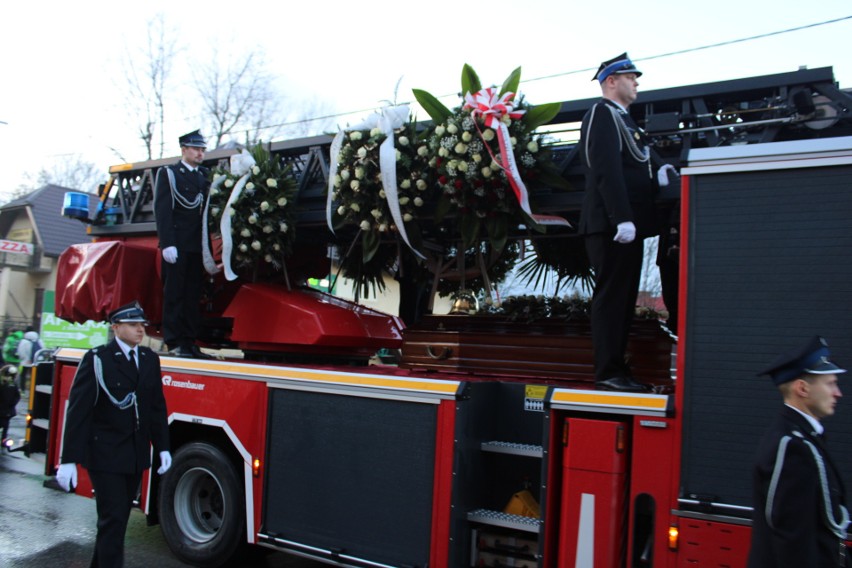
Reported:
(492, 108)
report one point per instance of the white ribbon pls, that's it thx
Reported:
(206, 254)
(388, 120)
(241, 164)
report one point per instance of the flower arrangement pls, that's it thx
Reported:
(359, 191)
(251, 205)
(482, 151)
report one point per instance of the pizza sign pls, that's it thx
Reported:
(16, 247)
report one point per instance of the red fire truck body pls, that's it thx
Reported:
(424, 465)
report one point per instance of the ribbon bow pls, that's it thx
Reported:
(492, 108)
(388, 120)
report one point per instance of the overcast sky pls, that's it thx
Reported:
(61, 63)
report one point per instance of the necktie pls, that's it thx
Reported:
(132, 358)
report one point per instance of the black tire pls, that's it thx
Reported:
(202, 511)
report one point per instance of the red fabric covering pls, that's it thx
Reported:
(95, 278)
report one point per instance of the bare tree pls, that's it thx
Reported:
(69, 170)
(147, 74)
(239, 96)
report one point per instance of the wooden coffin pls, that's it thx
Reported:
(549, 349)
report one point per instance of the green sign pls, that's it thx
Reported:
(56, 332)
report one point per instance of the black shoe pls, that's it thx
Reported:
(181, 352)
(620, 384)
(198, 353)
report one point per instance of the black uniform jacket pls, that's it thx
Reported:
(619, 188)
(100, 436)
(791, 522)
(177, 225)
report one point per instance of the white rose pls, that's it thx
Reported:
(477, 158)
(513, 140)
(359, 172)
(268, 229)
(506, 119)
(355, 207)
(376, 213)
(249, 186)
(462, 166)
(466, 136)
(421, 185)
(532, 146)
(382, 194)
(362, 152)
(282, 201)
(272, 182)
(214, 191)
(229, 183)
(443, 152)
(404, 200)
(268, 258)
(406, 183)
(460, 148)
(403, 141)
(255, 170)
(422, 151)
(255, 245)
(341, 210)
(243, 247)
(488, 135)
(418, 202)
(398, 155)
(452, 164)
(337, 180)
(354, 184)
(276, 246)
(231, 211)
(264, 206)
(375, 131)
(215, 211)
(365, 225)
(452, 128)
(245, 233)
(355, 135)
(252, 219)
(344, 175)
(407, 217)
(486, 171)
(383, 228)
(282, 227)
(439, 130)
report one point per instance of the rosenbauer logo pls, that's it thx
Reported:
(169, 382)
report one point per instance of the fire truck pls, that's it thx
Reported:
(487, 444)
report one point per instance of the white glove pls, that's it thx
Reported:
(662, 174)
(170, 254)
(625, 233)
(66, 476)
(165, 462)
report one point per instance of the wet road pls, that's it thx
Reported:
(45, 527)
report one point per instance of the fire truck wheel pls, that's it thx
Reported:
(201, 506)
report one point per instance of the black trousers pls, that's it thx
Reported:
(182, 283)
(618, 268)
(114, 494)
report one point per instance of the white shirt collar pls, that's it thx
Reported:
(618, 105)
(187, 166)
(815, 424)
(125, 348)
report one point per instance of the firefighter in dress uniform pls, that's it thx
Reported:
(116, 412)
(180, 191)
(617, 214)
(799, 518)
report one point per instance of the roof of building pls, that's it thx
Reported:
(57, 232)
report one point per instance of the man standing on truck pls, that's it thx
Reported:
(179, 194)
(799, 519)
(618, 213)
(116, 412)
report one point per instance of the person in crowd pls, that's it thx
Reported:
(618, 213)
(9, 397)
(179, 195)
(116, 412)
(800, 517)
(28, 347)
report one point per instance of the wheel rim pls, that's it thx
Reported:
(199, 505)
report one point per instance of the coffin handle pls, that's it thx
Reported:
(444, 353)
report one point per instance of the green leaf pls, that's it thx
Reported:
(370, 245)
(470, 81)
(435, 108)
(541, 114)
(469, 230)
(512, 82)
(551, 178)
(442, 208)
(498, 231)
